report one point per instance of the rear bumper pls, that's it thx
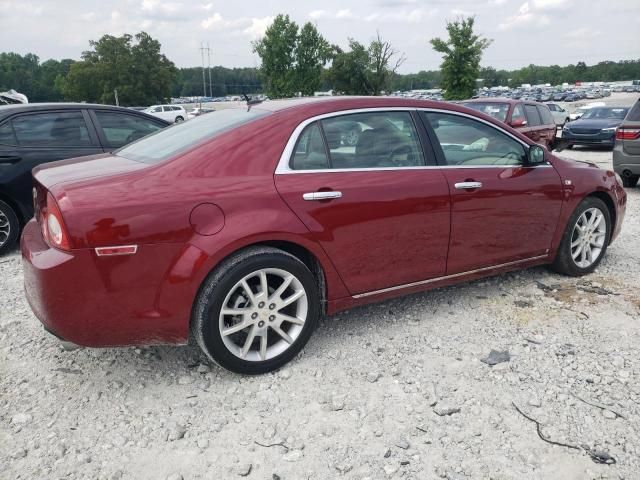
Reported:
(103, 301)
(624, 162)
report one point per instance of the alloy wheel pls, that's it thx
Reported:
(5, 228)
(263, 314)
(588, 237)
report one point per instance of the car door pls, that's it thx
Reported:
(40, 137)
(377, 204)
(502, 210)
(548, 128)
(534, 123)
(116, 129)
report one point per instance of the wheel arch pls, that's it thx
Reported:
(16, 209)
(608, 201)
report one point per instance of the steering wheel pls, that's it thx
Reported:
(403, 150)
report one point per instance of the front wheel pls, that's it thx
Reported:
(9, 227)
(179, 119)
(585, 239)
(256, 311)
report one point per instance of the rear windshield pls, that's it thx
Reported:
(496, 110)
(606, 113)
(179, 138)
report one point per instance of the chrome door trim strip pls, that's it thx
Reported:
(447, 277)
(284, 168)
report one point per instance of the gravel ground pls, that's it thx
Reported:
(393, 390)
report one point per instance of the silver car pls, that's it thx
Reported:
(626, 151)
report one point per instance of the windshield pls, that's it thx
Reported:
(496, 110)
(606, 113)
(171, 141)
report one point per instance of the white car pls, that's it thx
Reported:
(560, 115)
(581, 110)
(170, 113)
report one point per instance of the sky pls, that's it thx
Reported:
(542, 32)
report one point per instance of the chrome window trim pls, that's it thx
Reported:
(283, 167)
(448, 277)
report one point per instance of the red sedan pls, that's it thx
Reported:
(240, 228)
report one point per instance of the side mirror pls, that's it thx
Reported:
(518, 123)
(536, 155)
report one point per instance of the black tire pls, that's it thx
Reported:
(179, 119)
(569, 146)
(631, 181)
(564, 262)
(206, 313)
(9, 228)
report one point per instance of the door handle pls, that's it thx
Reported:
(9, 159)
(468, 185)
(321, 195)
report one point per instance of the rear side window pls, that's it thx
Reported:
(545, 115)
(373, 140)
(120, 128)
(52, 129)
(310, 152)
(6, 134)
(533, 117)
(174, 140)
(634, 114)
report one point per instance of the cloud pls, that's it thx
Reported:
(527, 17)
(25, 8)
(457, 12)
(258, 27)
(340, 14)
(544, 5)
(416, 15)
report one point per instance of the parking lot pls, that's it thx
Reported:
(393, 390)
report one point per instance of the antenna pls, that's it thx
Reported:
(209, 57)
(204, 85)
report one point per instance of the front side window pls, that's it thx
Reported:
(468, 142)
(372, 140)
(52, 129)
(518, 114)
(121, 128)
(496, 110)
(533, 117)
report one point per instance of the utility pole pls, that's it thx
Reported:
(209, 57)
(204, 84)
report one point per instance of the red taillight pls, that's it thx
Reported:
(52, 224)
(627, 133)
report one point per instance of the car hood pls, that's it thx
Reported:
(595, 123)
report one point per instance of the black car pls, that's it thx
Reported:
(597, 127)
(31, 134)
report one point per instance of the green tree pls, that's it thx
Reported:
(349, 73)
(461, 54)
(384, 61)
(312, 52)
(277, 51)
(133, 66)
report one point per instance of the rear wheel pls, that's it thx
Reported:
(585, 239)
(256, 311)
(9, 227)
(630, 181)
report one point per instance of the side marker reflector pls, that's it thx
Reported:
(113, 251)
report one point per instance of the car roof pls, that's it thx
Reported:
(6, 110)
(510, 101)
